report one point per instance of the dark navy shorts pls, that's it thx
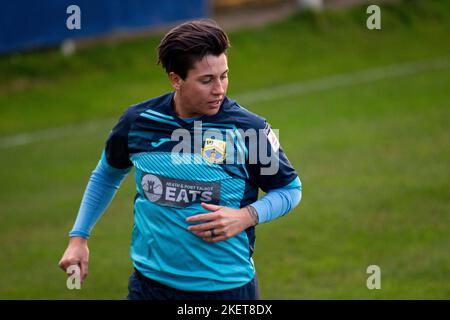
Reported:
(143, 288)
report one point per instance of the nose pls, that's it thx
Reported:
(218, 88)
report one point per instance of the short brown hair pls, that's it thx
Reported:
(188, 43)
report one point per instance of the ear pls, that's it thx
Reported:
(175, 80)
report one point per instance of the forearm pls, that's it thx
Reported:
(99, 193)
(278, 202)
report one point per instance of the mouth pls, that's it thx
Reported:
(215, 103)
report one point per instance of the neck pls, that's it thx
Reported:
(180, 108)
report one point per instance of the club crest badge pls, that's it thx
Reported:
(214, 150)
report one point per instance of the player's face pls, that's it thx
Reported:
(204, 88)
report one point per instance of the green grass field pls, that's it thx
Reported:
(372, 155)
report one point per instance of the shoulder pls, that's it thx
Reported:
(156, 104)
(241, 117)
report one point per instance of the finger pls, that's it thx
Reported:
(207, 233)
(202, 217)
(84, 270)
(62, 265)
(210, 206)
(215, 239)
(203, 226)
(203, 234)
(66, 263)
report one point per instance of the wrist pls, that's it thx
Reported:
(253, 214)
(77, 240)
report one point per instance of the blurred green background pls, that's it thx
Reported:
(371, 147)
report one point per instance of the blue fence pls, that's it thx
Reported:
(28, 24)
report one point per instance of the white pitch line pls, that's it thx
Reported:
(344, 80)
(282, 91)
(54, 133)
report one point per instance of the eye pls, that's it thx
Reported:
(206, 80)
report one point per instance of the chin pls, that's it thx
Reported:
(212, 111)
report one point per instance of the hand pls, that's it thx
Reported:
(222, 224)
(77, 253)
